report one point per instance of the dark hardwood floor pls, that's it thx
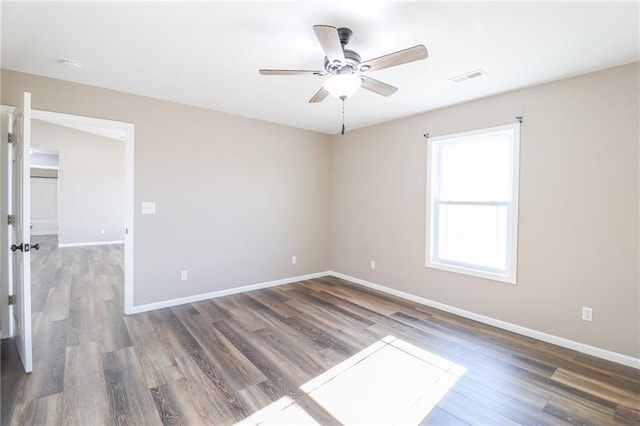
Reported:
(320, 351)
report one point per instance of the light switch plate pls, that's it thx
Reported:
(587, 313)
(148, 207)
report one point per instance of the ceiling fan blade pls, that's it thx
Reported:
(319, 96)
(400, 57)
(378, 87)
(330, 42)
(291, 72)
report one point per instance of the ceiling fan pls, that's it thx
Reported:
(345, 68)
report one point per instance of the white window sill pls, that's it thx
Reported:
(509, 279)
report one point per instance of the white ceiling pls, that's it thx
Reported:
(208, 54)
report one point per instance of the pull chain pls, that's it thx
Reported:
(343, 99)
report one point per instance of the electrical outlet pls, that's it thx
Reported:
(184, 275)
(294, 260)
(587, 313)
(373, 264)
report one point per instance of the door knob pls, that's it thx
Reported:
(15, 247)
(35, 246)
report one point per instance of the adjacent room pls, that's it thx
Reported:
(320, 213)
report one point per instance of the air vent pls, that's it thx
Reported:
(468, 76)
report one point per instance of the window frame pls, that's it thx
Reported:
(433, 175)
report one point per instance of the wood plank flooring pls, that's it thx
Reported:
(320, 351)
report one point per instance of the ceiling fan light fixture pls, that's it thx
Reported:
(342, 86)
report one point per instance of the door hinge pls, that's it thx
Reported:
(12, 299)
(11, 138)
(11, 219)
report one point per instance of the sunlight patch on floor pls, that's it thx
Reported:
(397, 383)
(389, 382)
(292, 415)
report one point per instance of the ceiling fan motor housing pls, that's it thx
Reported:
(352, 62)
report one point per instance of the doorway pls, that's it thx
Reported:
(124, 132)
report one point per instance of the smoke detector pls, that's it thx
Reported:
(70, 63)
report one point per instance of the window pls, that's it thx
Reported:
(472, 202)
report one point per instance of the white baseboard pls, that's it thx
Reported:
(539, 335)
(90, 243)
(212, 295)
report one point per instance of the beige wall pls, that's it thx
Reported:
(236, 198)
(578, 220)
(90, 183)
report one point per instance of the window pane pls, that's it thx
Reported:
(476, 168)
(473, 235)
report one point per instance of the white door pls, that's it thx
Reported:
(20, 229)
